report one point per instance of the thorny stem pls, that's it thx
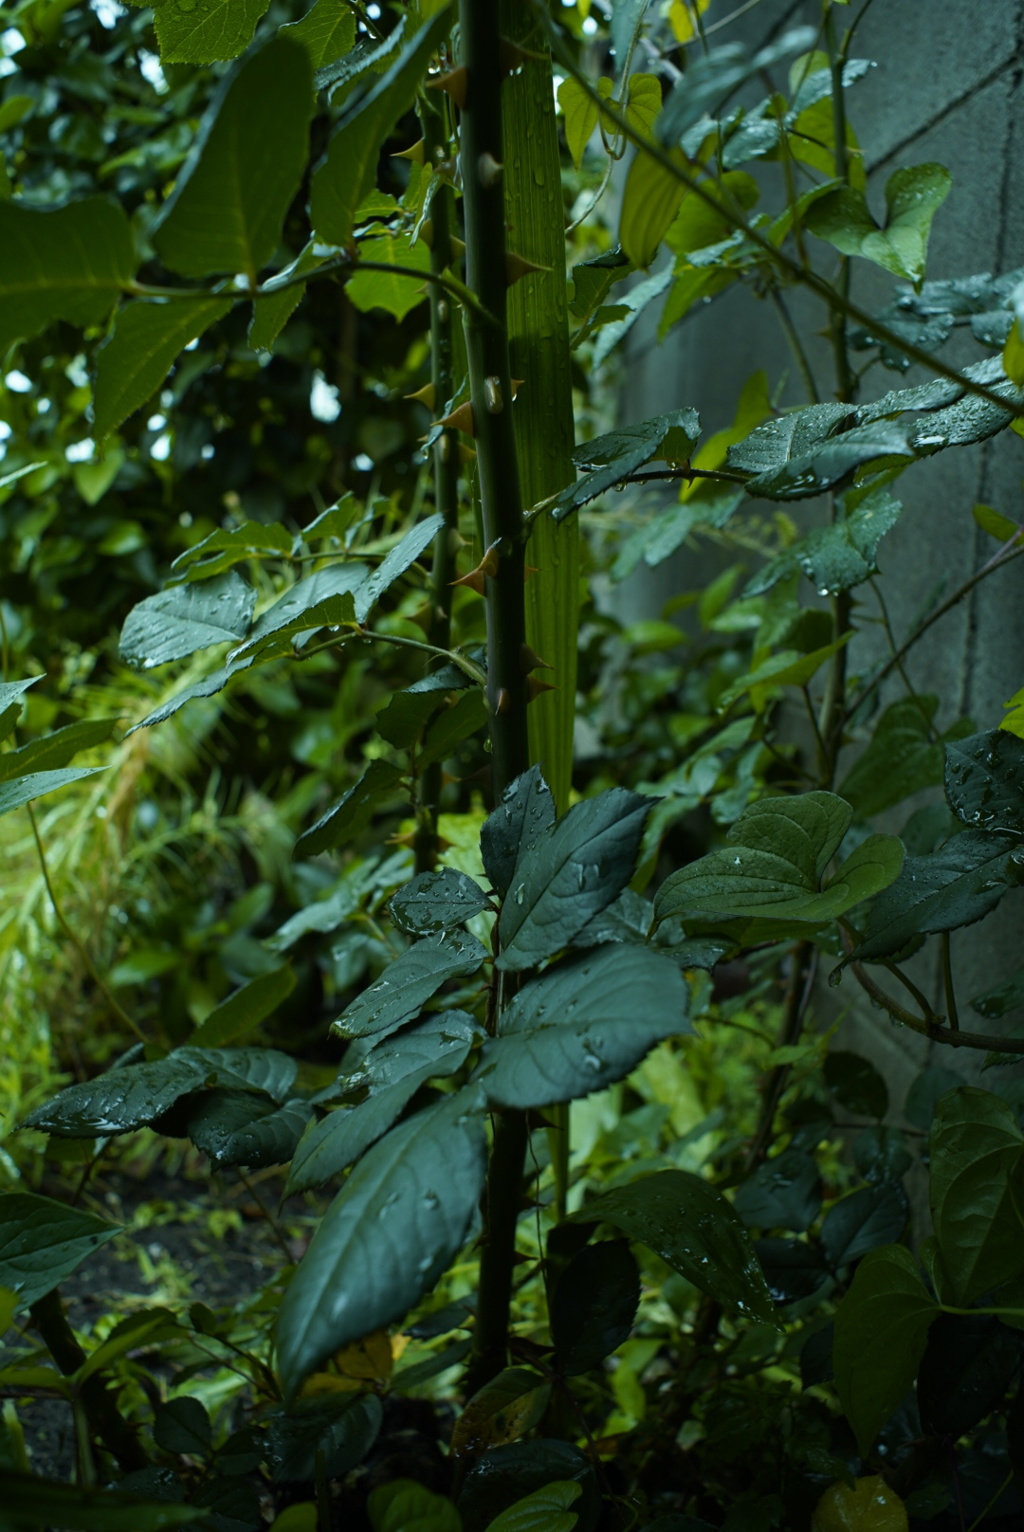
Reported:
(117, 1011)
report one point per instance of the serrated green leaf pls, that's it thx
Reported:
(221, 29)
(690, 1225)
(437, 901)
(347, 173)
(570, 874)
(402, 1215)
(395, 563)
(238, 1015)
(327, 31)
(221, 549)
(402, 720)
(396, 295)
(69, 263)
(881, 1331)
(954, 886)
(607, 460)
(353, 811)
(228, 207)
(209, 686)
(525, 814)
(913, 196)
(42, 1242)
(340, 1427)
(985, 780)
(326, 598)
(976, 1161)
(464, 716)
(185, 618)
(138, 354)
(840, 556)
(182, 1425)
(55, 750)
(583, 1025)
(772, 867)
(409, 982)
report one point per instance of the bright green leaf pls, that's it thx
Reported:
(70, 263)
(913, 196)
(396, 295)
(55, 750)
(546, 1510)
(327, 31)
(193, 33)
(651, 199)
(140, 351)
(21, 790)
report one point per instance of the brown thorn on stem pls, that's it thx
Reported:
(426, 395)
(512, 57)
(487, 567)
(529, 660)
(535, 686)
(504, 701)
(455, 84)
(517, 267)
(528, 570)
(460, 419)
(416, 153)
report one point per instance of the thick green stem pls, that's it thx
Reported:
(482, 159)
(97, 1404)
(445, 455)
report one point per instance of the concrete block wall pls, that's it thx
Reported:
(947, 86)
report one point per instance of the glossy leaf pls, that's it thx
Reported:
(387, 1236)
(353, 811)
(409, 982)
(53, 751)
(715, 75)
(186, 618)
(403, 719)
(138, 354)
(793, 1268)
(209, 686)
(525, 814)
(902, 757)
(607, 460)
(956, 885)
(343, 1428)
(583, 1025)
(228, 206)
(239, 1128)
(546, 1510)
(42, 1242)
(807, 473)
(503, 1410)
(70, 263)
(977, 1166)
(327, 31)
(437, 901)
(839, 556)
(323, 599)
(37, 784)
(240, 1014)
(347, 173)
(881, 1331)
(11, 693)
(36, 1501)
(866, 1505)
(985, 780)
(862, 1221)
(778, 850)
(690, 1225)
(913, 196)
(783, 1193)
(569, 875)
(395, 562)
(594, 1306)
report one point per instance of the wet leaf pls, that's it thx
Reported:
(607, 460)
(985, 780)
(186, 618)
(409, 982)
(525, 814)
(353, 811)
(867, 1218)
(42, 1242)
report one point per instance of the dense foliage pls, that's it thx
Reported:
(585, 1219)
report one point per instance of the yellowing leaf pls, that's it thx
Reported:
(580, 112)
(650, 202)
(1013, 355)
(1014, 720)
(644, 101)
(683, 18)
(369, 1358)
(868, 1506)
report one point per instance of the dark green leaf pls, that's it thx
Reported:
(546, 1510)
(867, 1218)
(902, 758)
(403, 719)
(323, 599)
(394, 1070)
(229, 203)
(243, 1011)
(54, 751)
(956, 885)
(209, 686)
(881, 1331)
(25, 789)
(985, 780)
(783, 1193)
(451, 725)
(778, 851)
(69, 263)
(42, 1242)
(690, 1225)
(607, 460)
(347, 173)
(856, 1084)
(569, 875)
(977, 1159)
(816, 1356)
(583, 1025)
(714, 76)
(926, 1089)
(388, 1235)
(525, 814)
(280, 296)
(179, 621)
(1008, 996)
(793, 436)
(504, 1475)
(793, 1269)
(138, 354)
(409, 982)
(342, 1428)
(837, 557)
(594, 1305)
(36, 1501)
(437, 901)
(182, 1425)
(395, 563)
(405, 1506)
(327, 31)
(239, 1128)
(507, 1407)
(353, 811)
(627, 919)
(968, 1365)
(808, 473)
